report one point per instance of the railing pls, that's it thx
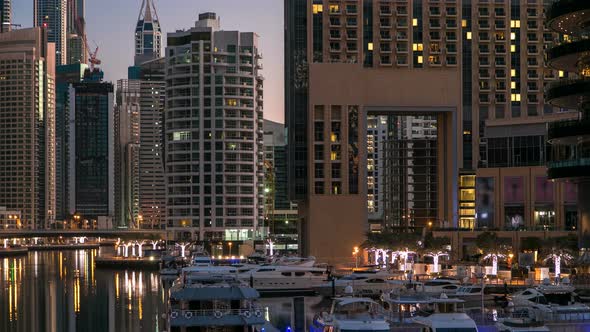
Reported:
(253, 311)
(563, 7)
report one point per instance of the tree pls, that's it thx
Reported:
(558, 250)
(436, 247)
(396, 243)
(492, 249)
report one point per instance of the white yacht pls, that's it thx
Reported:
(520, 325)
(351, 314)
(446, 322)
(472, 294)
(362, 283)
(199, 303)
(285, 278)
(553, 302)
(441, 285)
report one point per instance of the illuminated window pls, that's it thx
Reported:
(181, 135)
(334, 9)
(512, 48)
(418, 47)
(512, 36)
(420, 59)
(415, 22)
(464, 23)
(468, 34)
(512, 72)
(370, 46)
(318, 9)
(515, 97)
(512, 85)
(561, 73)
(232, 102)
(515, 23)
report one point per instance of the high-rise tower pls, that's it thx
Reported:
(214, 132)
(76, 26)
(5, 15)
(52, 14)
(27, 140)
(148, 35)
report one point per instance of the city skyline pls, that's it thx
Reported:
(117, 53)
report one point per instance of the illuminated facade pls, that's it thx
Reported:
(52, 14)
(214, 133)
(27, 168)
(5, 15)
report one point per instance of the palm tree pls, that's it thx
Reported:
(491, 248)
(559, 250)
(391, 243)
(436, 247)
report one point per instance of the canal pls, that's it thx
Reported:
(58, 291)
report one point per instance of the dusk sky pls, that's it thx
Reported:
(110, 23)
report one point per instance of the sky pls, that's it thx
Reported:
(110, 23)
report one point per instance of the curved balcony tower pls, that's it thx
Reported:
(570, 140)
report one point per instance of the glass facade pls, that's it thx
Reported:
(520, 151)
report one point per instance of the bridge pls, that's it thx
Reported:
(125, 234)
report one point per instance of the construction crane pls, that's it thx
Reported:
(92, 56)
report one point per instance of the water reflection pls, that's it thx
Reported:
(62, 291)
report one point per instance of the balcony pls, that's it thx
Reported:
(565, 56)
(569, 169)
(568, 17)
(568, 132)
(567, 93)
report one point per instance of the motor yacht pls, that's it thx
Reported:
(441, 285)
(445, 322)
(351, 314)
(362, 283)
(201, 303)
(553, 302)
(520, 325)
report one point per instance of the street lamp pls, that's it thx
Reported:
(355, 252)
(229, 244)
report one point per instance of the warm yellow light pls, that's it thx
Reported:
(512, 48)
(561, 73)
(512, 85)
(464, 23)
(420, 59)
(512, 36)
(370, 46)
(512, 72)
(430, 224)
(415, 22)
(318, 9)
(515, 97)
(468, 34)
(515, 23)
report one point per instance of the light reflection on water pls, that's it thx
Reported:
(62, 291)
(58, 291)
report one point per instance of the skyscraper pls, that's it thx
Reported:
(148, 34)
(5, 15)
(570, 147)
(91, 148)
(65, 76)
(76, 28)
(214, 132)
(296, 96)
(27, 140)
(490, 115)
(140, 194)
(52, 15)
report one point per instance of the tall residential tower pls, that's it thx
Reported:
(148, 34)
(214, 132)
(27, 139)
(52, 15)
(5, 15)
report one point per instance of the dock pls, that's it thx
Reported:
(115, 262)
(50, 247)
(4, 252)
